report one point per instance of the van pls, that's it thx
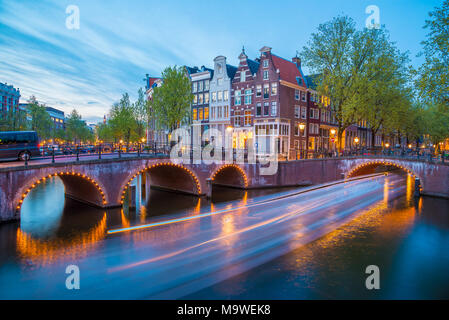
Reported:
(19, 145)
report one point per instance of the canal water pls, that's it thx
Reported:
(407, 238)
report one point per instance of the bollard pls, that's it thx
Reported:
(417, 187)
(77, 153)
(26, 159)
(209, 188)
(99, 152)
(53, 154)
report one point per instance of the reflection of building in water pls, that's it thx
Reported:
(44, 252)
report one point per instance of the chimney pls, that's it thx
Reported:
(297, 61)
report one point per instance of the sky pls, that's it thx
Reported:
(118, 42)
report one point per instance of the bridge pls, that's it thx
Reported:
(104, 182)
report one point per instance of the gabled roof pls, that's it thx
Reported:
(152, 82)
(253, 66)
(231, 70)
(288, 70)
(311, 81)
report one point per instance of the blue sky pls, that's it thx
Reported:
(120, 41)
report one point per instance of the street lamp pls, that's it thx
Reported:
(302, 126)
(356, 141)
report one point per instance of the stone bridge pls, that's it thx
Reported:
(103, 183)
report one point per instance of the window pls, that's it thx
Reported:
(303, 96)
(265, 74)
(214, 96)
(206, 97)
(247, 117)
(274, 89)
(195, 87)
(200, 113)
(237, 98)
(220, 95)
(296, 94)
(303, 112)
(248, 96)
(266, 91)
(258, 90)
(266, 106)
(206, 85)
(265, 63)
(226, 112)
(296, 144)
(219, 81)
(220, 112)
(195, 99)
(206, 113)
(200, 86)
(297, 111)
(323, 115)
(237, 118)
(212, 112)
(297, 129)
(195, 114)
(258, 110)
(273, 108)
(243, 76)
(200, 98)
(225, 95)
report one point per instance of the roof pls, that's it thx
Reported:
(152, 82)
(231, 70)
(311, 81)
(253, 66)
(288, 70)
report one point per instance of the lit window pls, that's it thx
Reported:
(195, 114)
(206, 113)
(247, 117)
(274, 89)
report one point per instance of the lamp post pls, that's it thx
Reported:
(302, 126)
(356, 141)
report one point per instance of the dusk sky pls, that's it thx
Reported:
(120, 41)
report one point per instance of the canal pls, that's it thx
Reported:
(240, 245)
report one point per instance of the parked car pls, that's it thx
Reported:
(19, 145)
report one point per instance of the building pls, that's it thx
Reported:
(220, 95)
(242, 101)
(154, 134)
(280, 99)
(57, 117)
(201, 97)
(9, 99)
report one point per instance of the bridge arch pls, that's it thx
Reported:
(370, 166)
(230, 175)
(166, 175)
(78, 186)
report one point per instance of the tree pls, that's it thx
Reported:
(383, 98)
(433, 75)
(141, 112)
(122, 121)
(40, 119)
(171, 102)
(14, 120)
(342, 57)
(76, 128)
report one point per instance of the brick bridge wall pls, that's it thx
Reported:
(103, 182)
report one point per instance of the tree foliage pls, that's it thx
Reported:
(171, 102)
(76, 128)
